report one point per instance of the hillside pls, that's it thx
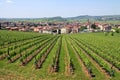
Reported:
(61, 19)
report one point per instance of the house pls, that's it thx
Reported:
(63, 30)
(4, 24)
(47, 31)
(37, 29)
(8, 28)
(12, 24)
(75, 29)
(119, 26)
(22, 29)
(14, 29)
(101, 27)
(106, 27)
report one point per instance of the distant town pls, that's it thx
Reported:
(61, 26)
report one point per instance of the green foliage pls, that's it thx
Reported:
(0, 25)
(93, 26)
(117, 30)
(112, 33)
(86, 52)
(83, 27)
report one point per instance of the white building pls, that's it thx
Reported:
(47, 31)
(63, 30)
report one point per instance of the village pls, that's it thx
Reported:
(57, 27)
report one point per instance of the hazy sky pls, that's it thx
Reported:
(50, 8)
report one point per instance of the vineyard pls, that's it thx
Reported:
(83, 56)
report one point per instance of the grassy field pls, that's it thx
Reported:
(82, 56)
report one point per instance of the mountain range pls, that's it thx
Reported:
(77, 18)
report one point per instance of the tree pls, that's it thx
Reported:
(82, 28)
(35, 25)
(112, 33)
(0, 25)
(93, 26)
(117, 30)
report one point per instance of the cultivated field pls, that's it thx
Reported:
(83, 56)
